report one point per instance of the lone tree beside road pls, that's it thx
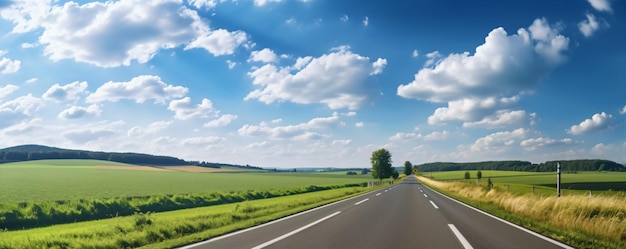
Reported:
(408, 168)
(381, 164)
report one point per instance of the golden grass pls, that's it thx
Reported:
(144, 168)
(599, 216)
(192, 169)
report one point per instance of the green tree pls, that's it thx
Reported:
(479, 175)
(467, 175)
(381, 164)
(408, 168)
(395, 174)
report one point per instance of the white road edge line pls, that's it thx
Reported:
(268, 223)
(295, 231)
(541, 236)
(367, 199)
(460, 237)
(434, 205)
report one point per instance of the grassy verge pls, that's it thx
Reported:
(578, 220)
(169, 229)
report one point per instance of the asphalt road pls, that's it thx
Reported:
(407, 215)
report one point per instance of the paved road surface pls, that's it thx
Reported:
(407, 215)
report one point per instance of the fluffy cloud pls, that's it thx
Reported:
(434, 136)
(533, 144)
(219, 42)
(92, 132)
(499, 141)
(470, 109)
(263, 2)
(184, 110)
(265, 55)
(76, 112)
(8, 89)
(18, 109)
(601, 5)
(209, 4)
(8, 66)
(140, 89)
(623, 111)
(91, 32)
(201, 141)
(589, 26)
(223, 120)
(340, 79)
(473, 85)
(302, 131)
(26, 15)
(151, 129)
(67, 92)
(504, 64)
(26, 105)
(597, 122)
(500, 119)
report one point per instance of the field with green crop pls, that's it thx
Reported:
(169, 229)
(84, 179)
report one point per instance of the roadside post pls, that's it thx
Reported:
(558, 180)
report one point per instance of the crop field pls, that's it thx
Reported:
(169, 229)
(48, 180)
(544, 182)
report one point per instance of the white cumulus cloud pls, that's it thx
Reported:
(265, 55)
(504, 64)
(139, 89)
(499, 141)
(597, 122)
(533, 144)
(67, 92)
(302, 131)
(184, 109)
(589, 26)
(340, 79)
(8, 89)
(76, 112)
(91, 32)
(223, 120)
(8, 66)
(601, 5)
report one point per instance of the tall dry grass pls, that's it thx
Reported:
(603, 217)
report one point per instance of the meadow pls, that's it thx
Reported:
(48, 192)
(576, 218)
(544, 183)
(169, 229)
(52, 180)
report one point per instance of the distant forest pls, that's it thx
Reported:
(566, 166)
(39, 152)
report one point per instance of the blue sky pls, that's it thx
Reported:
(317, 83)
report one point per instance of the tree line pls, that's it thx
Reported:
(566, 166)
(39, 152)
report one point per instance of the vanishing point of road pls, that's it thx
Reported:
(406, 215)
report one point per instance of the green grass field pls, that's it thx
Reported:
(169, 229)
(81, 179)
(544, 182)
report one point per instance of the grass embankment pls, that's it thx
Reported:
(169, 229)
(578, 220)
